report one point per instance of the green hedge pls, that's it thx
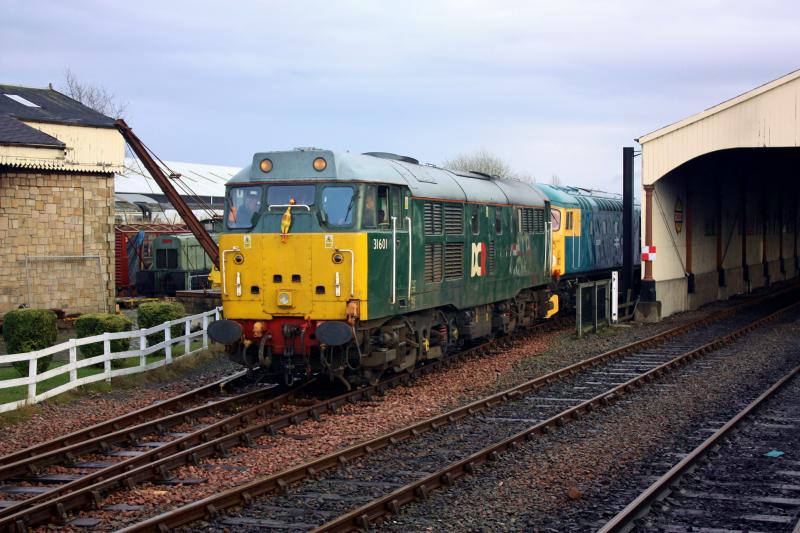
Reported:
(26, 330)
(92, 324)
(155, 313)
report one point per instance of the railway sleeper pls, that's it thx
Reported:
(492, 456)
(467, 468)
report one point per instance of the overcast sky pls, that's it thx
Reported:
(552, 87)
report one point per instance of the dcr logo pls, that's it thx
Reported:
(478, 259)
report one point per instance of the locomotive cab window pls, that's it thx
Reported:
(167, 258)
(569, 220)
(244, 204)
(368, 211)
(282, 195)
(396, 208)
(555, 220)
(338, 203)
(474, 218)
(498, 220)
(384, 213)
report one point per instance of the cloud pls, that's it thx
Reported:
(554, 87)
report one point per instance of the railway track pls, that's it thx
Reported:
(70, 493)
(736, 479)
(200, 394)
(355, 487)
(40, 473)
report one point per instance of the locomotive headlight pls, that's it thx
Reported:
(238, 259)
(265, 165)
(284, 299)
(337, 258)
(320, 164)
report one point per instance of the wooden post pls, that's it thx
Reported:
(73, 360)
(687, 223)
(614, 318)
(187, 342)
(796, 263)
(648, 229)
(205, 330)
(780, 234)
(718, 230)
(32, 369)
(745, 271)
(168, 339)
(142, 348)
(107, 354)
(648, 291)
(764, 237)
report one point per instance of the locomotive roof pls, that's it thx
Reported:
(424, 181)
(567, 196)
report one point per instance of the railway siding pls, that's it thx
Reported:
(576, 479)
(217, 439)
(745, 474)
(396, 444)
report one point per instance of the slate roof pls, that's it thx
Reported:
(52, 107)
(12, 131)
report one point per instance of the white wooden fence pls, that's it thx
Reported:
(106, 357)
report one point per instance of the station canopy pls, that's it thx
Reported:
(207, 181)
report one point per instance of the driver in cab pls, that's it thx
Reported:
(242, 216)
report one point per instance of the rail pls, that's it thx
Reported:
(242, 495)
(365, 516)
(74, 364)
(242, 428)
(661, 488)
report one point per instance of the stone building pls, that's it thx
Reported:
(57, 165)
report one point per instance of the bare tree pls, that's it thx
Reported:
(555, 180)
(93, 96)
(481, 161)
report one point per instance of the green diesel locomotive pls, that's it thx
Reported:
(350, 265)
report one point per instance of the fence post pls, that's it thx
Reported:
(216, 313)
(73, 360)
(205, 331)
(107, 355)
(168, 339)
(142, 348)
(187, 342)
(594, 306)
(32, 369)
(614, 297)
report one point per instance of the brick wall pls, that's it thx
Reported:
(56, 214)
